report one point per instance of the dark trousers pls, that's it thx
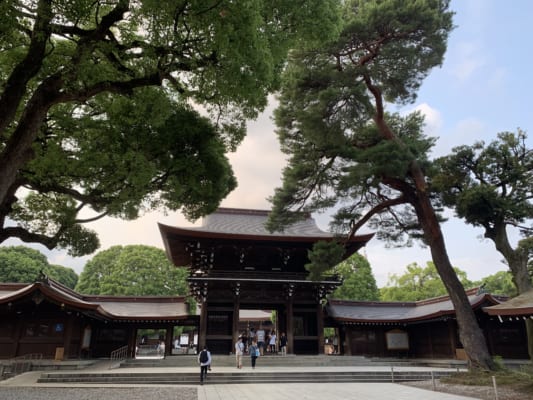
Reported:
(203, 372)
(254, 358)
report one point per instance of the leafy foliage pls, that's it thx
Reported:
(418, 283)
(24, 265)
(345, 150)
(491, 186)
(96, 104)
(500, 283)
(358, 282)
(135, 270)
(323, 257)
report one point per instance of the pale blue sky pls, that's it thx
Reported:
(482, 88)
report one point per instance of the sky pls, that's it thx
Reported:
(482, 88)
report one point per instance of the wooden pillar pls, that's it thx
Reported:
(451, 335)
(17, 336)
(320, 328)
(168, 339)
(203, 326)
(235, 322)
(67, 339)
(290, 326)
(132, 341)
(346, 340)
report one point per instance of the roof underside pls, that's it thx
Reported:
(521, 305)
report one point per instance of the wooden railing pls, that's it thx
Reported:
(118, 355)
(18, 365)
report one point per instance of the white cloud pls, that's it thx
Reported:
(469, 60)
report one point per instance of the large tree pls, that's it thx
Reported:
(79, 128)
(134, 270)
(347, 151)
(418, 283)
(491, 186)
(25, 265)
(358, 282)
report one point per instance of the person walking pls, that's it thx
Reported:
(204, 359)
(283, 344)
(239, 351)
(254, 353)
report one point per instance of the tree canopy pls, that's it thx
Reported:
(24, 265)
(500, 283)
(418, 283)
(491, 186)
(134, 270)
(358, 282)
(345, 149)
(97, 105)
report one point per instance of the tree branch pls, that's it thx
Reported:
(375, 210)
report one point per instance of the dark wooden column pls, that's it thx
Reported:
(168, 339)
(320, 327)
(345, 339)
(68, 336)
(235, 321)
(203, 326)
(17, 336)
(132, 341)
(290, 326)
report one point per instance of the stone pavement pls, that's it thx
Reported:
(25, 387)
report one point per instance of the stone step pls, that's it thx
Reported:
(241, 377)
(289, 361)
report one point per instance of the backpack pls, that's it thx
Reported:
(203, 357)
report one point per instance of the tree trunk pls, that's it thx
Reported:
(470, 333)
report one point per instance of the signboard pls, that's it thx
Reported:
(184, 339)
(86, 341)
(397, 340)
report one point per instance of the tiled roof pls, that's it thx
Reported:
(521, 305)
(361, 311)
(110, 307)
(252, 222)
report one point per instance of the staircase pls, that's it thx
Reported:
(291, 369)
(189, 378)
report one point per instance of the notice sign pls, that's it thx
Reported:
(397, 340)
(184, 340)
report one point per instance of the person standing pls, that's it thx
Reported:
(204, 359)
(239, 351)
(283, 344)
(254, 353)
(261, 340)
(272, 342)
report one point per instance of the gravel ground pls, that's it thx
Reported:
(478, 392)
(138, 393)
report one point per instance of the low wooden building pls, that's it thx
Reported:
(423, 329)
(48, 318)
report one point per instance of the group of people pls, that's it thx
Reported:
(254, 348)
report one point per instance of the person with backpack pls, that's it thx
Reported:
(254, 353)
(204, 359)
